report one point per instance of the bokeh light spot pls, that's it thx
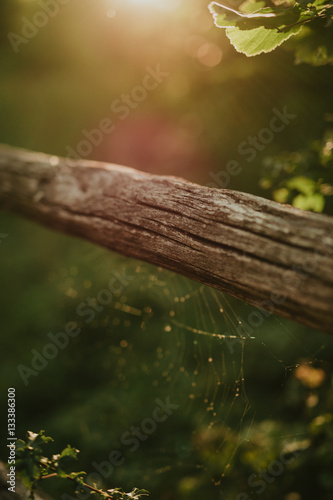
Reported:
(209, 54)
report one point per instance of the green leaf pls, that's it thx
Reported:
(281, 195)
(256, 29)
(225, 17)
(61, 473)
(302, 184)
(69, 452)
(313, 202)
(36, 440)
(20, 445)
(253, 15)
(74, 475)
(259, 40)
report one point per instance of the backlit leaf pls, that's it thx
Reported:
(259, 40)
(254, 29)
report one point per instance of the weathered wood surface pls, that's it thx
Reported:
(271, 255)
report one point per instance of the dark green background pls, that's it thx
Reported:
(238, 408)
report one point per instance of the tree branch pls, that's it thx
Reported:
(271, 255)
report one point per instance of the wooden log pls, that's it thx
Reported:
(274, 256)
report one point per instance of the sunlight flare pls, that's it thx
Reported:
(165, 5)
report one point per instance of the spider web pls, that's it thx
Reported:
(164, 336)
(198, 347)
(199, 361)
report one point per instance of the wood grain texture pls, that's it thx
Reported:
(271, 255)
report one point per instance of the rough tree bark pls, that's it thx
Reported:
(271, 255)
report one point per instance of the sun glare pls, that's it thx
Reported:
(166, 5)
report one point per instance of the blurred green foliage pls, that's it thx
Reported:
(303, 178)
(242, 406)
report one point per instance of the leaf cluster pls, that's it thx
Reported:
(260, 26)
(302, 178)
(33, 466)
